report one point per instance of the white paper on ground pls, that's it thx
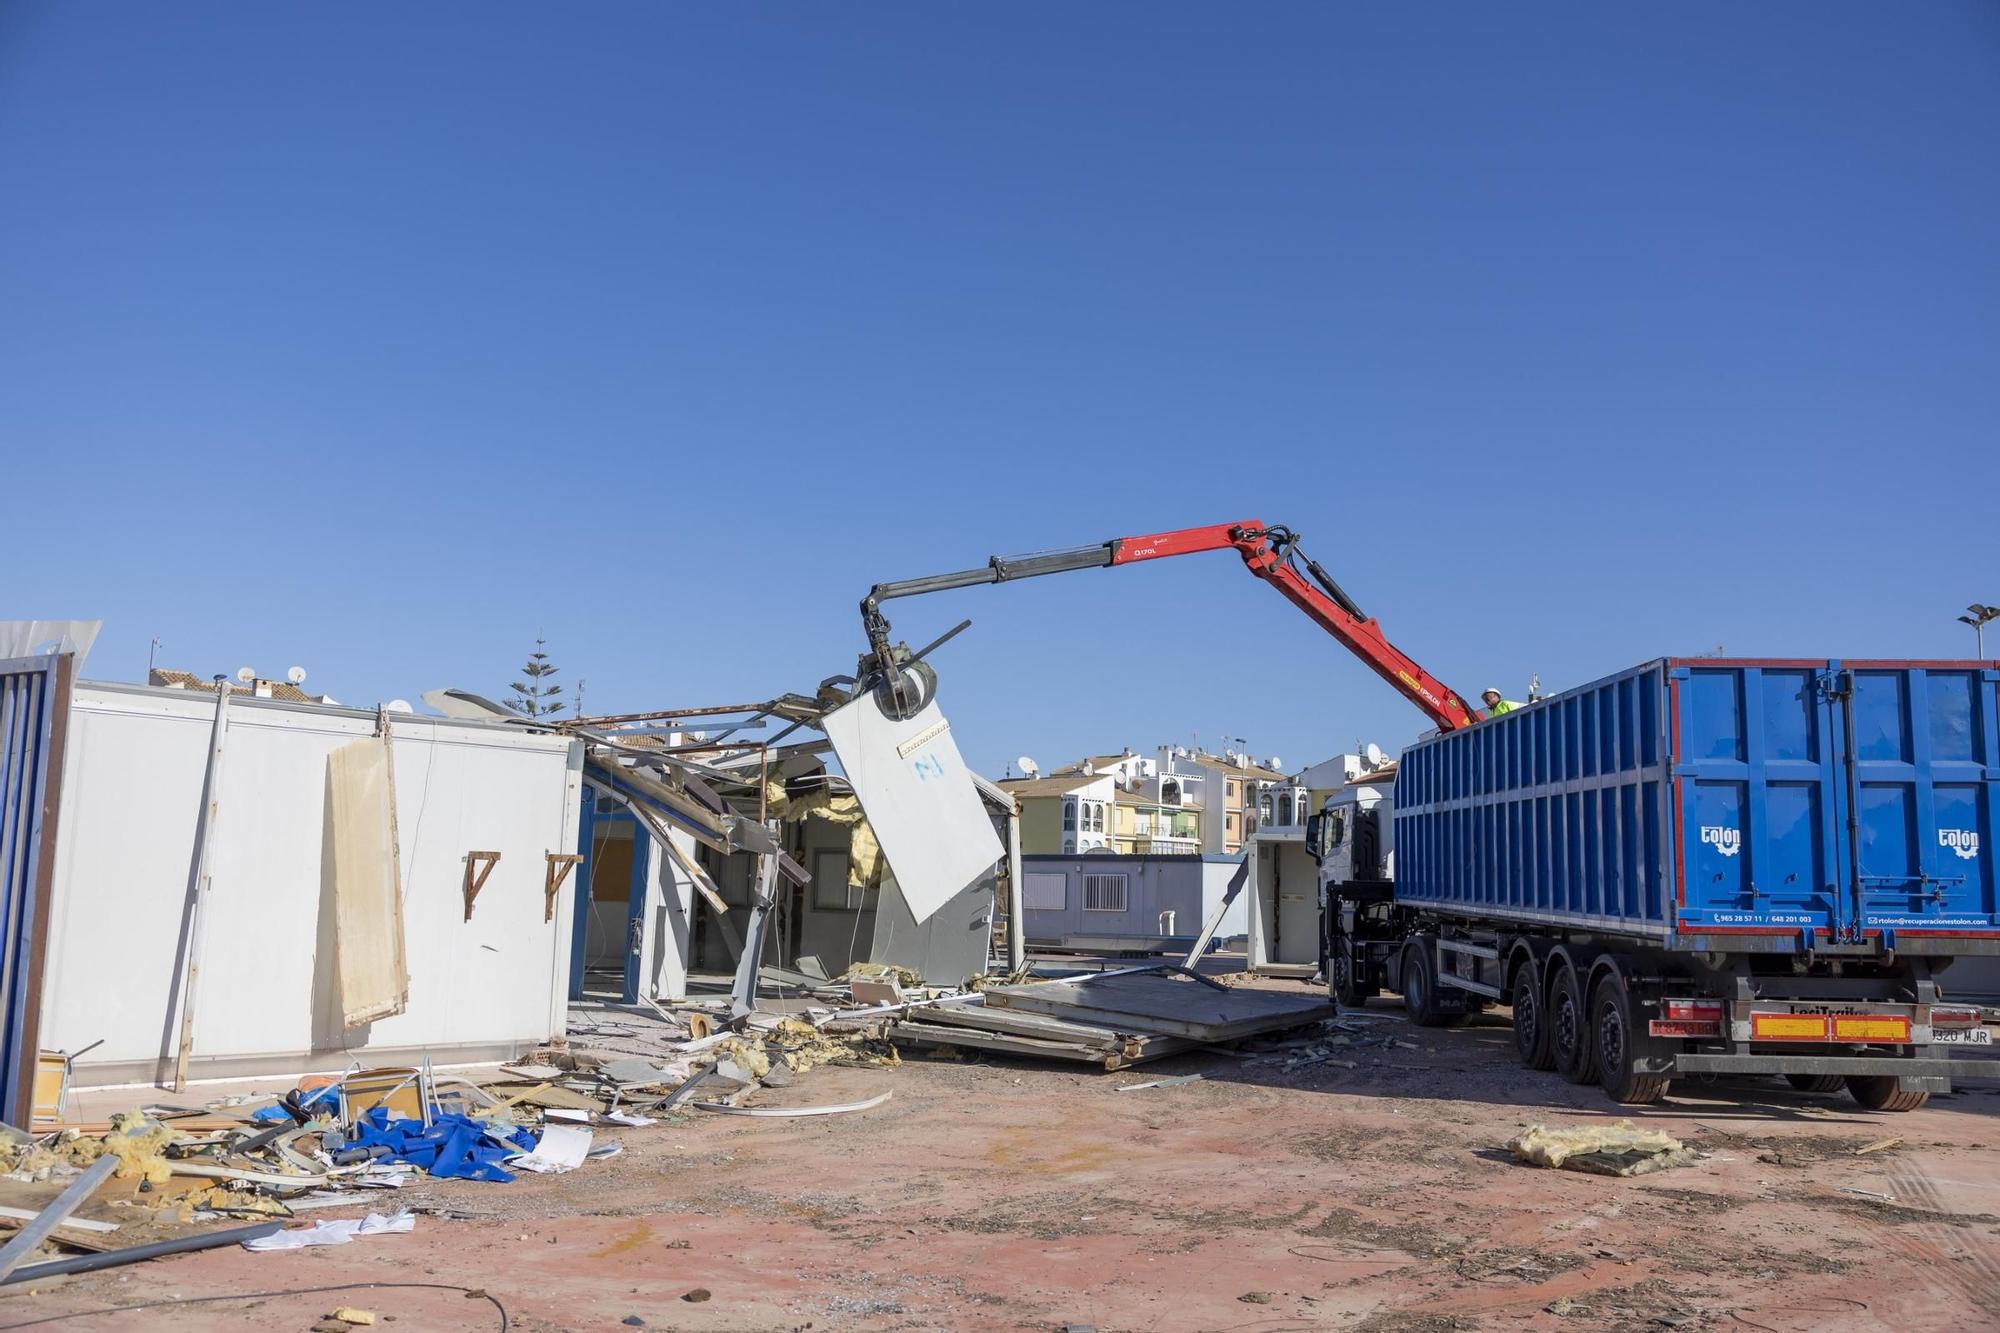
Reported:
(562, 1148)
(335, 1231)
(919, 798)
(575, 1115)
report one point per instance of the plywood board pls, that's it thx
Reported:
(919, 798)
(371, 973)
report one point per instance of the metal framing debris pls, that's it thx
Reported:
(743, 993)
(200, 881)
(1214, 923)
(789, 1112)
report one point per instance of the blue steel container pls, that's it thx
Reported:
(1722, 804)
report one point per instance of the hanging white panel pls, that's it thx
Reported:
(919, 798)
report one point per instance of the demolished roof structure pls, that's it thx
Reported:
(925, 846)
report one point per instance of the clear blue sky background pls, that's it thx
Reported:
(379, 338)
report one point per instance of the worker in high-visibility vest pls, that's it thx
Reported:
(1495, 705)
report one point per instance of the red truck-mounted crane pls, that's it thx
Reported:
(904, 683)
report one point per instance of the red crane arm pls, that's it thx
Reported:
(1267, 553)
(1270, 553)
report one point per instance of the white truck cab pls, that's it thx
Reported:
(1353, 837)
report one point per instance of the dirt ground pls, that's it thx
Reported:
(1261, 1199)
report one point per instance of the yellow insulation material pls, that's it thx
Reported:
(750, 1056)
(1619, 1149)
(137, 1143)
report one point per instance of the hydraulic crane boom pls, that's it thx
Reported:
(1271, 554)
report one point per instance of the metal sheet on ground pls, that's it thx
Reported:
(1164, 1004)
(919, 798)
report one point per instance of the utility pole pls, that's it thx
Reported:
(1978, 617)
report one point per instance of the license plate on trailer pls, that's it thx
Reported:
(1962, 1037)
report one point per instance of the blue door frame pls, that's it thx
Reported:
(34, 711)
(635, 902)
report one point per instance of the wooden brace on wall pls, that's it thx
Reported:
(552, 881)
(478, 865)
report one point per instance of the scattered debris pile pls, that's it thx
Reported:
(166, 1178)
(1112, 1020)
(1334, 1043)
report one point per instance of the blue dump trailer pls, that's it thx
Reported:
(1697, 866)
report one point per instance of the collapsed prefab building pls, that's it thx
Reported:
(670, 882)
(204, 883)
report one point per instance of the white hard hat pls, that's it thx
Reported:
(1490, 689)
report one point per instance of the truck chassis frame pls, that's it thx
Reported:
(1632, 1013)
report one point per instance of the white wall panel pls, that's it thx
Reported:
(131, 792)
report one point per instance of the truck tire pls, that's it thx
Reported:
(1620, 1044)
(1878, 1092)
(1348, 991)
(1816, 1082)
(1420, 989)
(1531, 1028)
(1569, 1028)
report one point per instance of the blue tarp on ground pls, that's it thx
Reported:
(453, 1147)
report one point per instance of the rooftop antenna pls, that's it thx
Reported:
(151, 654)
(296, 675)
(246, 674)
(1029, 768)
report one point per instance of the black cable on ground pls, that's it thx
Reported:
(470, 1293)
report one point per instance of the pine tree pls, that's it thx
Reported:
(535, 697)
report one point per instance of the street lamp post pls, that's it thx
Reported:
(1978, 616)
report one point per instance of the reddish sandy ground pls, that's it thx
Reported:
(1014, 1196)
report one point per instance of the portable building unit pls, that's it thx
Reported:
(1282, 907)
(486, 982)
(1125, 902)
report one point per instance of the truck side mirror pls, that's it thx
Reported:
(1313, 825)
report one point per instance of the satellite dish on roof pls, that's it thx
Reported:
(1027, 766)
(296, 675)
(394, 705)
(1372, 754)
(246, 674)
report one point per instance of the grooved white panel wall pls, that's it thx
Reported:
(131, 790)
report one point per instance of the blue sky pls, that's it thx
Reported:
(381, 338)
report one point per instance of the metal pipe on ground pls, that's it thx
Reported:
(16, 1251)
(86, 1263)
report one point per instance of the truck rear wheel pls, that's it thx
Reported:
(1569, 1029)
(1878, 1092)
(1531, 1028)
(1420, 989)
(1621, 1045)
(1816, 1082)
